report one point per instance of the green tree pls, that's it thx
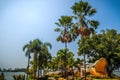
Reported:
(70, 59)
(41, 54)
(35, 46)
(28, 50)
(70, 63)
(64, 26)
(65, 59)
(62, 57)
(78, 63)
(85, 26)
(44, 56)
(83, 11)
(107, 45)
(55, 64)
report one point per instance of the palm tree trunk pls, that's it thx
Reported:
(65, 45)
(39, 66)
(35, 64)
(28, 65)
(66, 59)
(38, 71)
(72, 73)
(84, 65)
(84, 52)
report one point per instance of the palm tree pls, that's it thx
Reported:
(27, 47)
(82, 11)
(35, 45)
(55, 63)
(84, 26)
(44, 55)
(70, 63)
(65, 59)
(61, 55)
(78, 63)
(41, 54)
(64, 26)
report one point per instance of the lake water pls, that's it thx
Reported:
(9, 75)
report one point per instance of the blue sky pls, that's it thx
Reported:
(25, 20)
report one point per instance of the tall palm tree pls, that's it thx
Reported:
(35, 45)
(28, 49)
(64, 26)
(83, 11)
(44, 55)
(41, 54)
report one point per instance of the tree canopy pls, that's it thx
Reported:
(105, 44)
(83, 12)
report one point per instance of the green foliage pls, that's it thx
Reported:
(27, 47)
(57, 30)
(2, 76)
(64, 21)
(82, 12)
(105, 44)
(77, 63)
(19, 77)
(41, 54)
(43, 78)
(65, 57)
(93, 23)
(44, 55)
(64, 28)
(83, 8)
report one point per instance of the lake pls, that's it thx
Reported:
(9, 75)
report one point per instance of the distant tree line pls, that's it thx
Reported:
(13, 70)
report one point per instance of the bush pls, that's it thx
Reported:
(43, 78)
(19, 77)
(2, 76)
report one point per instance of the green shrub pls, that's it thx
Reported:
(2, 76)
(43, 78)
(19, 77)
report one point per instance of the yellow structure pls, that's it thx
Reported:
(99, 68)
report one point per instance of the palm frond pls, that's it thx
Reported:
(57, 29)
(83, 23)
(93, 23)
(25, 46)
(92, 30)
(87, 10)
(92, 12)
(48, 44)
(58, 24)
(58, 38)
